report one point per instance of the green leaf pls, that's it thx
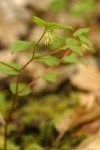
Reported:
(54, 25)
(85, 40)
(8, 70)
(20, 87)
(74, 45)
(48, 60)
(81, 31)
(76, 49)
(39, 21)
(50, 77)
(20, 46)
(57, 45)
(72, 59)
(67, 43)
(51, 25)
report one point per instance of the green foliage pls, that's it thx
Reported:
(50, 76)
(85, 40)
(75, 48)
(20, 46)
(81, 31)
(57, 45)
(51, 25)
(10, 68)
(72, 59)
(20, 87)
(48, 60)
(85, 43)
(39, 21)
(75, 44)
(54, 25)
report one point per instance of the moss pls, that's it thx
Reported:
(33, 146)
(38, 118)
(11, 146)
(50, 107)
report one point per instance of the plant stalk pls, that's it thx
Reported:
(17, 92)
(10, 114)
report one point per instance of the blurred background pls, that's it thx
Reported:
(56, 116)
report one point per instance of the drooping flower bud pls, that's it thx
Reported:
(50, 37)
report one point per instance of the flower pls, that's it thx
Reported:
(50, 36)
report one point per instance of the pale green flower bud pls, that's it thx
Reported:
(50, 37)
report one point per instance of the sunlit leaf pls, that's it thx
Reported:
(68, 42)
(85, 40)
(76, 49)
(81, 31)
(50, 77)
(48, 60)
(73, 45)
(20, 87)
(50, 25)
(72, 59)
(57, 45)
(39, 21)
(8, 70)
(20, 46)
(54, 25)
